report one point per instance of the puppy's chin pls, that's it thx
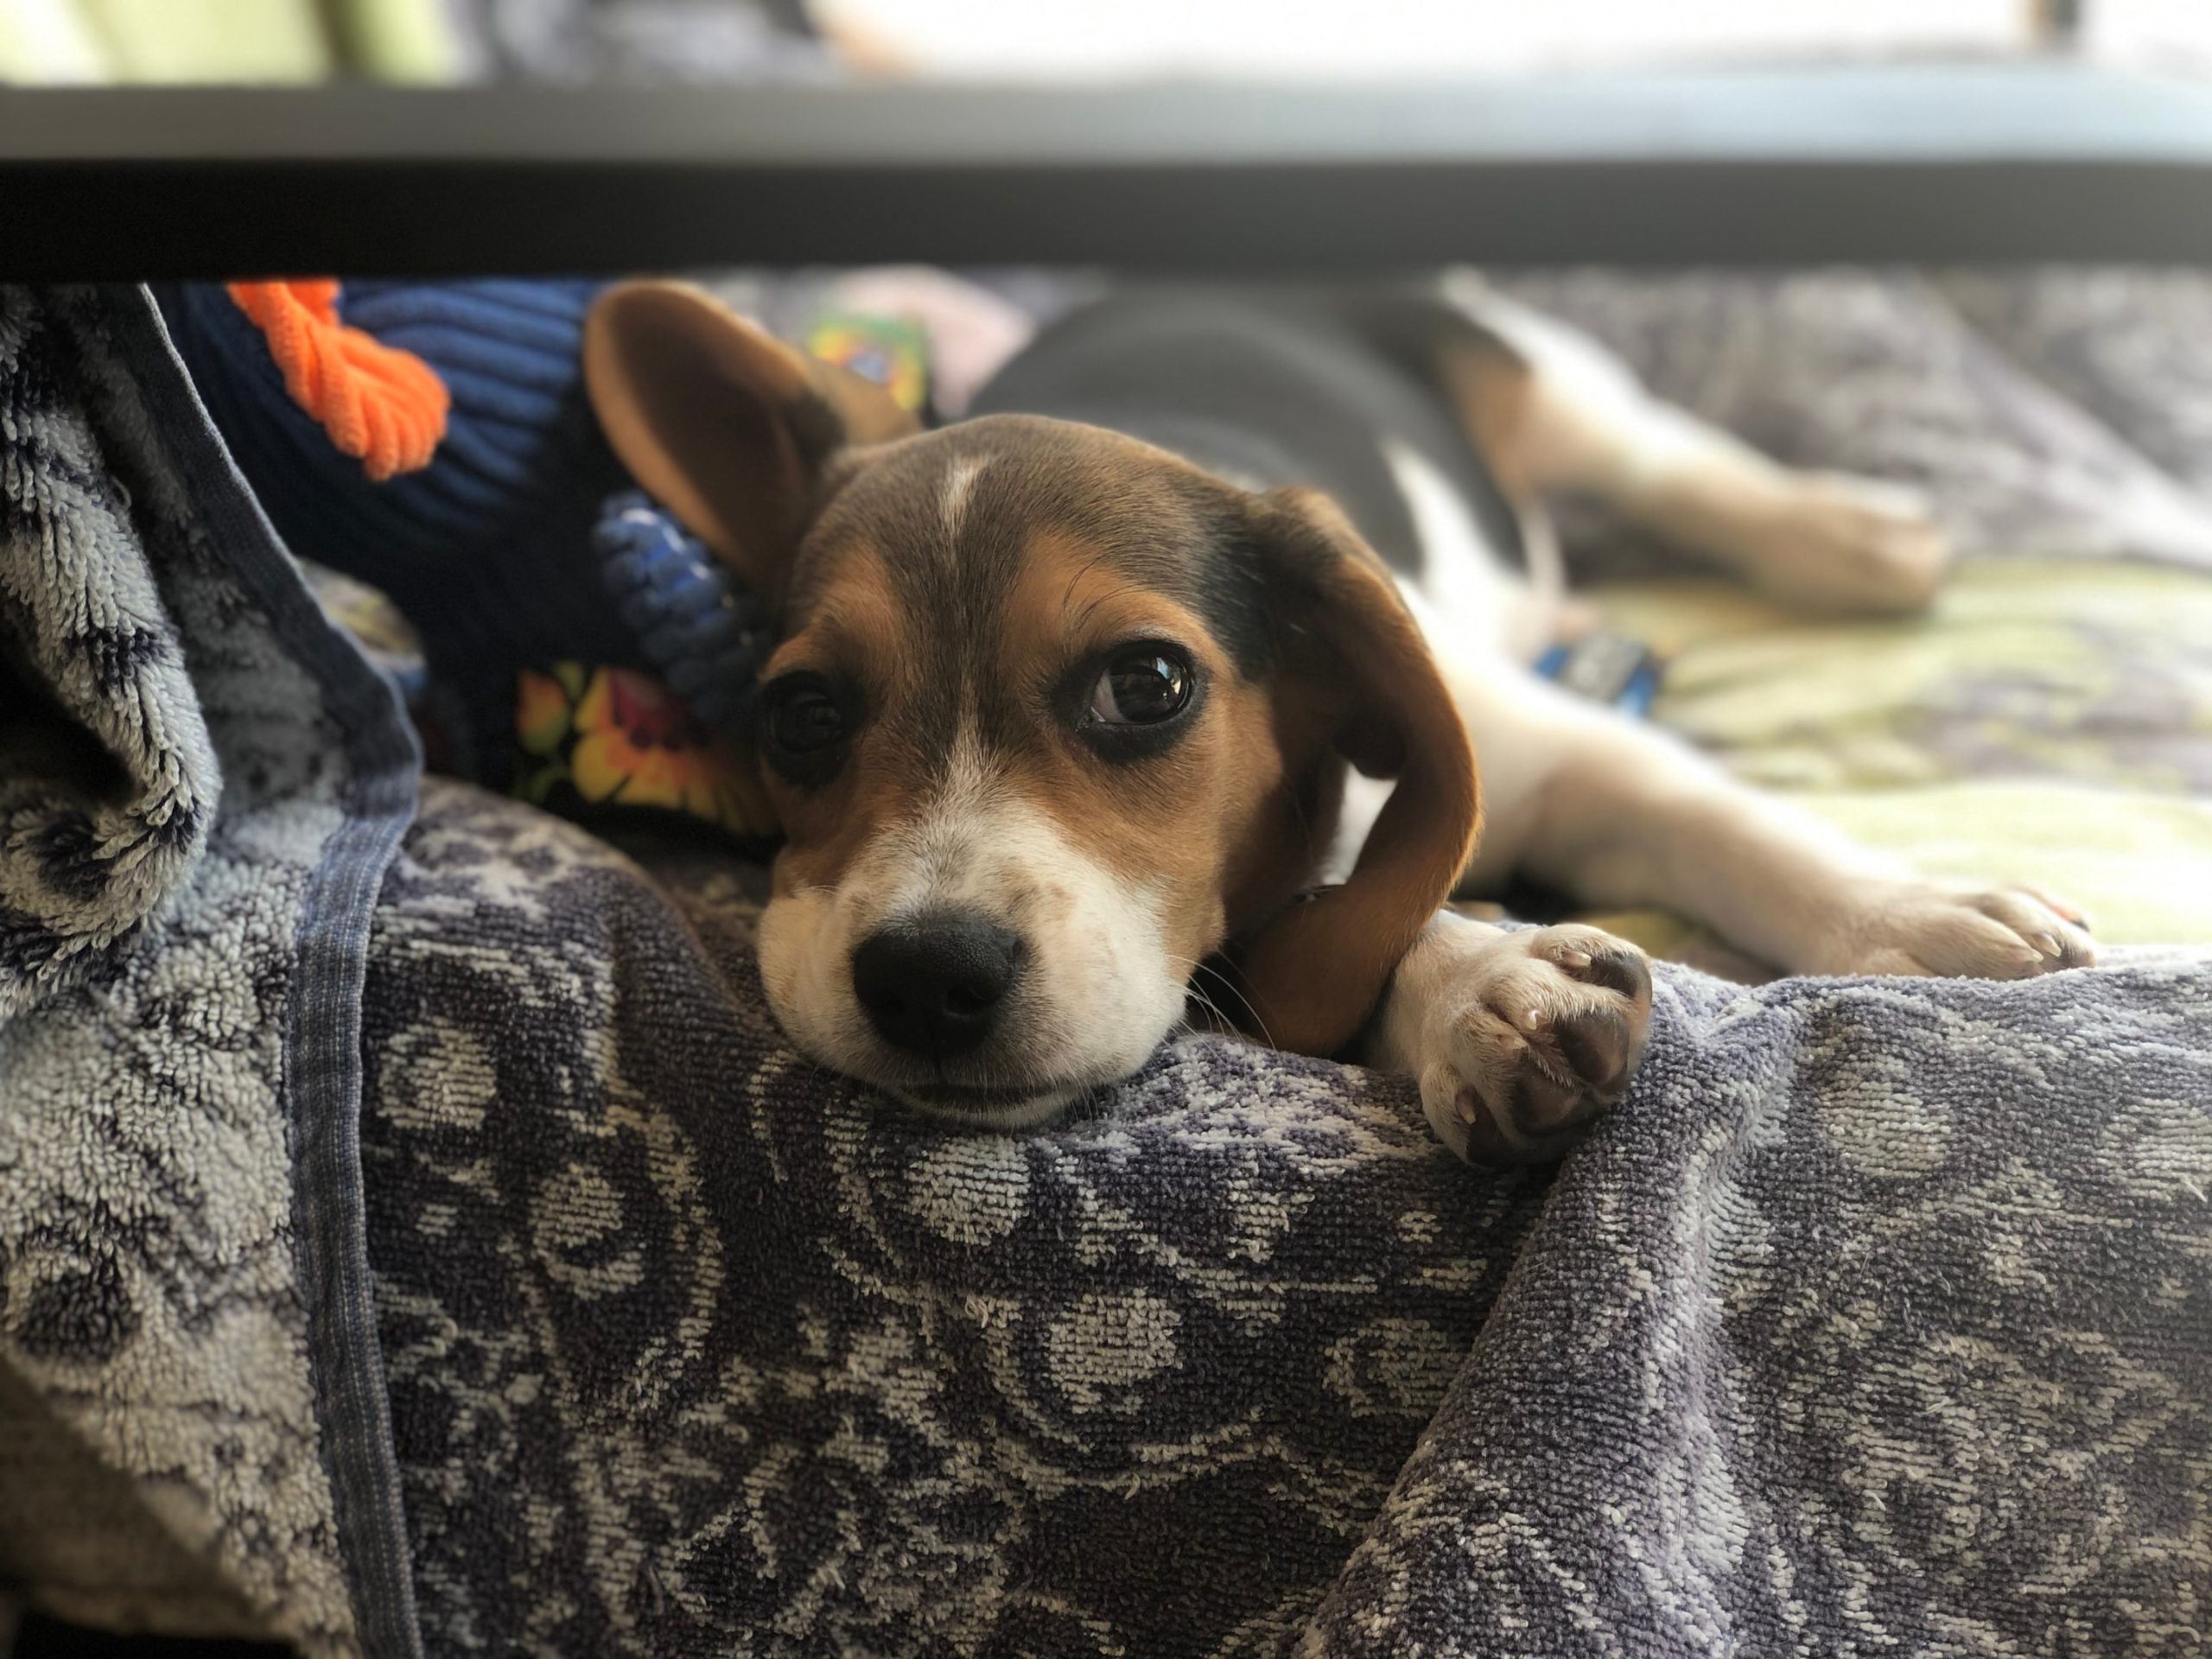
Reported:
(1008, 1101)
(991, 1109)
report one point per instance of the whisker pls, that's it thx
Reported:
(1192, 994)
(1194, 991)
(1231, 987)
(1096, 560)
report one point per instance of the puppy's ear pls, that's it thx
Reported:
(726, 425)
(1316, 972)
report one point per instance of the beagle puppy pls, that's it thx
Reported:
(1160, 682)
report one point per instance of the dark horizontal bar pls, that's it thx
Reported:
(2002, 163)
(155, 220)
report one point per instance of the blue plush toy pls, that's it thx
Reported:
(502, 547)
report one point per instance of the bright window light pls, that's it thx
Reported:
(1054, 38)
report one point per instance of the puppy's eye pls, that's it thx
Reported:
(801, 725)
(1142, 686)
(804, 722)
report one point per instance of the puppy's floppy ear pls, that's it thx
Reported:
(1316, 972)
(726, 425)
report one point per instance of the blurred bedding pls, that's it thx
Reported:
(2051, 718)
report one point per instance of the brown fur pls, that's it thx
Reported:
(1314, 974)
(1491, 390)
(726, 424)
(1173, 822)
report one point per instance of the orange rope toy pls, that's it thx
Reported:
(385, 407)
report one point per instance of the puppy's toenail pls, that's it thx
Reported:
(1533, 1017)
(1465, 1107)
(2047, 945)
(1568, 957)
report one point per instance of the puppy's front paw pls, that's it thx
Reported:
(1853, 546)
(2011, 933)
(1529, 1038)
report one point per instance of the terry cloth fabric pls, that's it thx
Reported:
(200, 784)
(1880, 1316)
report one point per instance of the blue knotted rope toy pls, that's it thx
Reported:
(705, 635)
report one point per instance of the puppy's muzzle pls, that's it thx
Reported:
(935, 984)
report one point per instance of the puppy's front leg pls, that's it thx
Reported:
(1616, 814)
(1519, 1039)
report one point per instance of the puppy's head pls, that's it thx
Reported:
(1053, 718)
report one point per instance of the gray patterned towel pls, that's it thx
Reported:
(1881, 1318)
(1878, 1320)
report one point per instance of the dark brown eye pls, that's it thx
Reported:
(802, 723)
(1142, 686)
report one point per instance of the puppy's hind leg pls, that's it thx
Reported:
(1553, 410)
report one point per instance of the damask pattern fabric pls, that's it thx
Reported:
(1881, 1316)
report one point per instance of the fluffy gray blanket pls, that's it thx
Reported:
(424, 1243)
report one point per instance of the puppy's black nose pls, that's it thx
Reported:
(934, 983)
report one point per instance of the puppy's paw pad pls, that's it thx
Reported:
(1545, 1032)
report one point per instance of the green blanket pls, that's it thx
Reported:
(2048, 722)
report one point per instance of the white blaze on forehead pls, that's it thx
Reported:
(952, 496)
(974, 842)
